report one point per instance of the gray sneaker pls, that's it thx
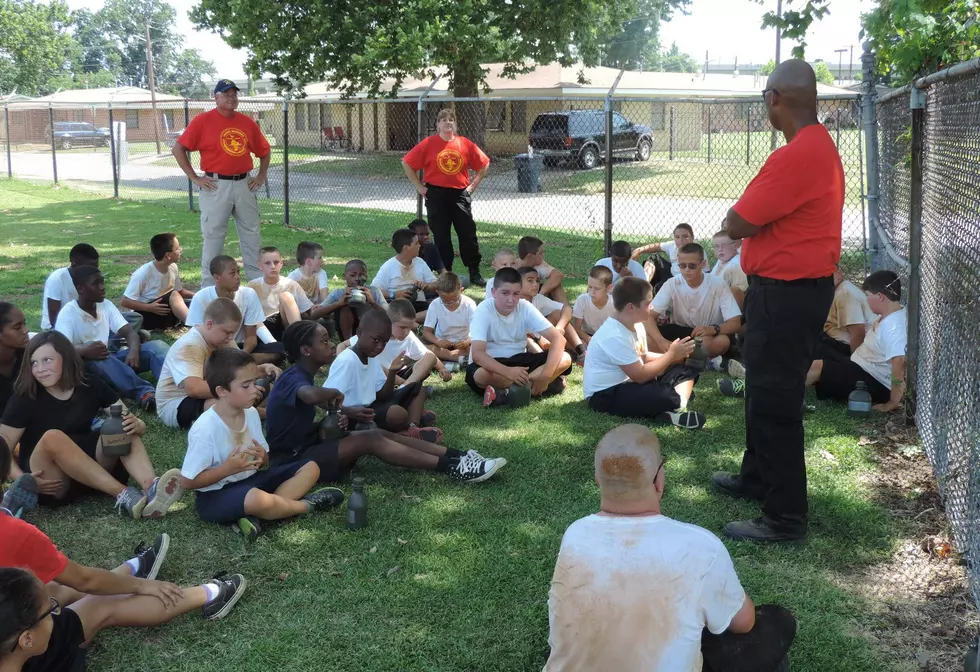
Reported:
(162, 494)
(21, 496)
(132, 501)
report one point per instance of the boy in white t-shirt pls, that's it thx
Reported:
(347, 312)
(227, 456)
(636, 590)
(154, 290)
(505, 258)
(530, 251)
(310, 274)
(622, 378)
(620, 262)
(283, 300)
(699, 305)
(498, 345)
(252, 336)
(447, 323)
(729, 265)
(406, 275)
(88, 323)
(369, 391)
(595, 306)
(683, 235)
(556, 312)
(847, 321)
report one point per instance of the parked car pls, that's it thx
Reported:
(68, 134)
(580, 135)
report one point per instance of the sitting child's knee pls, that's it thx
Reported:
(397, 417)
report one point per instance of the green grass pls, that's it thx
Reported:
(444, 577)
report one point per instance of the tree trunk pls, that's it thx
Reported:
(470, 116)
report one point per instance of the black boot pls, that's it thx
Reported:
(476, 278)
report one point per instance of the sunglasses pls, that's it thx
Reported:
(765, 91)
(53, 611)
(693, 267)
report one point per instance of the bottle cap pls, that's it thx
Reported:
(358, 481)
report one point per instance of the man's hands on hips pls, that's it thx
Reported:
(205, 182)
(256, 183)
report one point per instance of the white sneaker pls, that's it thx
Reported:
(736, 369)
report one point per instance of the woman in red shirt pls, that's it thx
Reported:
(445, 160)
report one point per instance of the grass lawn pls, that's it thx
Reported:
(444, 577)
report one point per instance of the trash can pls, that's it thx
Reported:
(529, 172)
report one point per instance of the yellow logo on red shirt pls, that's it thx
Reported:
(234, 142)
(450, 161)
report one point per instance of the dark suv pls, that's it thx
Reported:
(581, 135)
(68, 134)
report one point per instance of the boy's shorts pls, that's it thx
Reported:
(188, 411)
(838, 378)
(155, 322)
(228, 504)
(674, 331)
(64, 652)
(531, 360)
(276, 326)
(403, 397)
(643, 400)
(829, 347)
(325, 456)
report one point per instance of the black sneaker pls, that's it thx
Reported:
(148, 402)
(230, 589)
(324, 498)
(471, 468)
(151, 557)
(247, 526)
(557, 386)
(21, 496)
(476, 278)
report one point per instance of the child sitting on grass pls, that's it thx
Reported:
(683, 235)
(595, 306)
(347, 312)
(530, 250)
(847, 321)
(227, 456)
(447, 323)
(405, 275)
(505, 258)
(154, 290)
(310, 274)
(369, 391)
(283, 300)
(293, 433)
(620, 262)
(729, 266)
(559, 314)
(427, 249)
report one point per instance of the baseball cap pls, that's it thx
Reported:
(223, 85)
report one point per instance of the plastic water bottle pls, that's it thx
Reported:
(698, 359)
(357, 506)
(115, 441)
(859, 401)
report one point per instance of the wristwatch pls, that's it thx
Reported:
(717, 329)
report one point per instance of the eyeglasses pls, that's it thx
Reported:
(53, 611)
(765, 91)
(693, 267)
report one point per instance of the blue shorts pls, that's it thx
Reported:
(228, 504)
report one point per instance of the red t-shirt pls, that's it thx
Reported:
(23, 545)
(446, 164)
(225, 144)
(798, 200)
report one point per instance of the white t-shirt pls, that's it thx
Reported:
(311, 284)
(453, 325)
(245, 298)
(60, 287)
(147, 284)
(545, 305)
(850, 307)
(885, 340)
(591, 315)
(709, 303)
(731, 273)
(185, 359)
(80, 327)
(413, 348)
(636, 268)
(393, 277)
(211, 441)
(358, 382)
(506, 335)
(269, 294)
(612, 347)
(635, 592)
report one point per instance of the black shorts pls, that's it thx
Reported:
(325, 456)
(674, 331)
(643, 400)
(829, 347)
(838, 378)
(276, 326)
(189, 410)
(64, 652)
(89, 445)
(532, 360)
(227, 504)
(155, 322)
(403, 397)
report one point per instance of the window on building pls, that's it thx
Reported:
(326, 115)
(518, 116)
(313, 117)
(496, 115)
(299, 116)
(132, 119)
(658, 116)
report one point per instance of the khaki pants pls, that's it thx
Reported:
(232, 198)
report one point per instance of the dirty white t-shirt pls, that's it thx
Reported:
(850, 307)
(635, 592)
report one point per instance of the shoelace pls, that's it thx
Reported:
(140, 549)
(121, 500)
(469, 464)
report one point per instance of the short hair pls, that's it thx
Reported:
(81, 253)
(621, 249)
(884, 282)
(220, 264)
(506, 276)
(355, 262)
(446, 113)
(6, 309)
(448, 282)
(687, 227)
(401, 309)
(721, 234)
(223, 366)
(402, 238)
(80, 275)
(528, 245)
(692, 248)
(19, 602)
(630, 290)
(601, 273)
(72, 367)
(223, 311)
(269, 249)
(504, 252)
(625, 460)
(162, 244)
(374, 319)
(296, 336)
(307, 250)
(526, 270)
(416, 224)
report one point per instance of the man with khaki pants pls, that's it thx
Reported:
(226, 140)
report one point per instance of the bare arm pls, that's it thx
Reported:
(737, 228)
(744, 620)
(555, 352)
(325, 397)
(181, 153)
(739, 297)
(898, 386)
(251, 338)
(429, 335)
(196, 388)
(54, 307)
(478, 352)
(643, 249)
(565, 318)
(553, 282)
(95, 581)
(577, 325)
(413, 177)
(856, 333)
(478, 178)
(653, 366)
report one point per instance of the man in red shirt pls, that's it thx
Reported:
(226, 140)
(790, 218)
(445, 160)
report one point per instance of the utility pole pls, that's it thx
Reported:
(840, 64)
(850, 68)
(779, 31)
(153, 88)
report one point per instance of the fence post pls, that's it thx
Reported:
(670, 153)
(709, 133)
(285, 161)
(190, 185)
(838, 122)
(608, 200)
(918, 105)
(748, 134)
(420, 129)
(54, 158)
(112, 155)
(870, 118)
(6, 124)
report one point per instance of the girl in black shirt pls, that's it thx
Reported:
(13, 341)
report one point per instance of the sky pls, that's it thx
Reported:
(725, 28)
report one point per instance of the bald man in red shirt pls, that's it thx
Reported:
(790, 219)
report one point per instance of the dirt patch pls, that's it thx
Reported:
(922, 613)
(131, 259)
(14, 266)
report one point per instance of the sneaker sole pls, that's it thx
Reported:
(489, 396)
(161, 556)
(499, 464)
(168, 492)
(138, 509)
(231, 602)
(251, 534)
